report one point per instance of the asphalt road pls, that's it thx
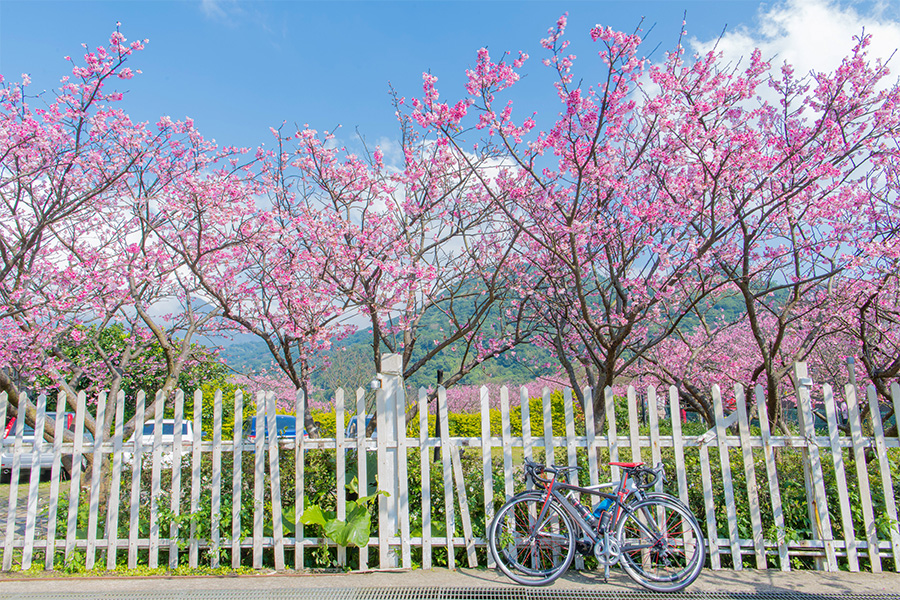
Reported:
(463, 584)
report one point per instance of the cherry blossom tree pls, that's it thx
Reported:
(808, 181)
(391, 243)
(79, 181)
(59, 161)
(659, 185)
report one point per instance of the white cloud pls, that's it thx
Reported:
(228, 12)
(212, 8)
(812, 35)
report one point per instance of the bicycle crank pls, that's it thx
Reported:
(607, 551)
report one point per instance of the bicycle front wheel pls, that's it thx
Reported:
(532, 543)
(662, 545)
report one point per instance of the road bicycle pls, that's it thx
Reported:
(654, 536)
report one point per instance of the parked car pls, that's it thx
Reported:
(45, 459)
(167, 439)
(353, 427)
(285, 428)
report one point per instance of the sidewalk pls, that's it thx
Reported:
(715, 583)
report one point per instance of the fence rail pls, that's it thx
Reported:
(745, 484)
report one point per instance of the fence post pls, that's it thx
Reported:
(389, 397)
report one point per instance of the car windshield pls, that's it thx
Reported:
(168, 429)
(285, 424)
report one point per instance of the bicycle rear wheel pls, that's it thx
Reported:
(662, 545)
(532, 548)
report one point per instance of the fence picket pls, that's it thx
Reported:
(361, 461)
(590, 430)
(34, 477)
(216, 482)
(727, 481)
(299, 481)
(75, 481)
(403, 479)
(425, 470)
(236, 478)
(339, 467)
(137, 459)
(653, 414)
(750, 477)
(840, 476)
(384, 549)
(112, 513)
(527, 440)
(612, 435)
(14, 483)
(549, 450)
(93, 517)
(55, 471)
(449, 520)
(506, 432)
(571, 457)
(196, 458)
(159, 408)
(885, 472)
(895, 398)
(862, 475)
(258, 480)
(271, 433)
(712, 532)
(678, 444)
(175, 500)
(634, 426)
(486, 467)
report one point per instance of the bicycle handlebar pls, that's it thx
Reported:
(647, 477)
(534, 470)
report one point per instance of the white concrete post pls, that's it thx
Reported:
(390, 397)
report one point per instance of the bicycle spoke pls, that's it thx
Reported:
(656, 551)
(533, 543)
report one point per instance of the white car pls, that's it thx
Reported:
(167, 441)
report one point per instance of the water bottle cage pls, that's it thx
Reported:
(601, 507)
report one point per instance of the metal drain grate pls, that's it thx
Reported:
(425, 593)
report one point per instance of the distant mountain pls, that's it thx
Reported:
(349, 359)
(249, 356)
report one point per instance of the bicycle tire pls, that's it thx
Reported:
(527, 551)
(662, 546)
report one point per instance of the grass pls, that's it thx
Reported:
(22, 492)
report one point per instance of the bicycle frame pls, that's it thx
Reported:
(554, 489)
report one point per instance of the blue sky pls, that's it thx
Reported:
(239, 68)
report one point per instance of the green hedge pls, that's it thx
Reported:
(469, 424)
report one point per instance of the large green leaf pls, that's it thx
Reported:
(354, 531)
(315, 516)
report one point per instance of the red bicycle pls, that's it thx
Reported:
(652, 535)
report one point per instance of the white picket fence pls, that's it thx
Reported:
(764, 542)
